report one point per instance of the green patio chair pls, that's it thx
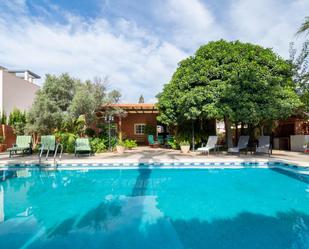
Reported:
(23, 144)
(48, 143)
(151, 141)
(82, 146)
(160, 139)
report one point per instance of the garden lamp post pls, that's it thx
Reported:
(192, 123)
(109, 118)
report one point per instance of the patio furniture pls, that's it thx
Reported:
(48, 143)
(160, 139)
(263, 145)
(211, 144)
(152, 142)
(82, 146)
(23, 144)
(242, 145)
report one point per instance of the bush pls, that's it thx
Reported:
(89, 132)
(3, 119)
(130, 143)
(17, 120)
(184, 143)
(173, 144)
(150, 130)
(98, 145)
(67, 140)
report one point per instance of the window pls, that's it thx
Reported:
(139, 129)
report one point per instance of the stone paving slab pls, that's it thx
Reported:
(158, 155)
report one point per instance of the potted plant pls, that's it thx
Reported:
(184, 146)
(130, 144)
(120, 147)
(2, 145)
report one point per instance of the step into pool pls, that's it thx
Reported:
(154, 208)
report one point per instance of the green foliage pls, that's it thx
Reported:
(130, 143)
(3, 118)
(73, 125)
(120, 143)
(67, 104)
(90, 132)
(44, 116)
(150, 130)
(238, 81)
(60, 89)
(87, 99)
(1, 139)
(184, 143)
(173, 144)
(17, 120)
(304, 28)
(98, 145)
(67, 140)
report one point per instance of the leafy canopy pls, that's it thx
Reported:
(238, 81)
(67, 104)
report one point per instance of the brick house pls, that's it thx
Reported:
(137, 117)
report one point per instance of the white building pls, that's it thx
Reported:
(17, 89)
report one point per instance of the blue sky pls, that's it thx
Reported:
(136, 44)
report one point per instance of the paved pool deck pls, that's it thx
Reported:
(159, 155)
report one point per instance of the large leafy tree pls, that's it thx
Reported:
(68, 104)
(233, 81)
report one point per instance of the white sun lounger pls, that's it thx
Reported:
(264, 145)
(242, 145)
(211, 144)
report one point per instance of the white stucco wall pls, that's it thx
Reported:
(298, 142)
(17, 93)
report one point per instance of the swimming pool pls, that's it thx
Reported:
(154, 208)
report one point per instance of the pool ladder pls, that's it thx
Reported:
(55, 153)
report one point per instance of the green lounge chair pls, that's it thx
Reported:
(48, 143)
(151, 141)
(82, 146)
(23, 144)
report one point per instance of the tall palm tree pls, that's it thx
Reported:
(304, 28)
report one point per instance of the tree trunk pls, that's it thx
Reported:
(236, 132)
(228, 133)
(262, 130)
(242, 128)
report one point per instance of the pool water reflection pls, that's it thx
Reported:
(154, 208)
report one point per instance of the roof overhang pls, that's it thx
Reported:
(133, 108)
(32, 74)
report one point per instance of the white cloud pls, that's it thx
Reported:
(270, 23)
(192, 23)
(136, 62)
(139, 61)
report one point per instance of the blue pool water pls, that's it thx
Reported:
(154, 208)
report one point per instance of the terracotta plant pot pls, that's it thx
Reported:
(2, 147)
(120, 149)
(185, 148)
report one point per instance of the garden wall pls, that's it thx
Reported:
(8, 135)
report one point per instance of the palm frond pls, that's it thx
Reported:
(304, 27)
